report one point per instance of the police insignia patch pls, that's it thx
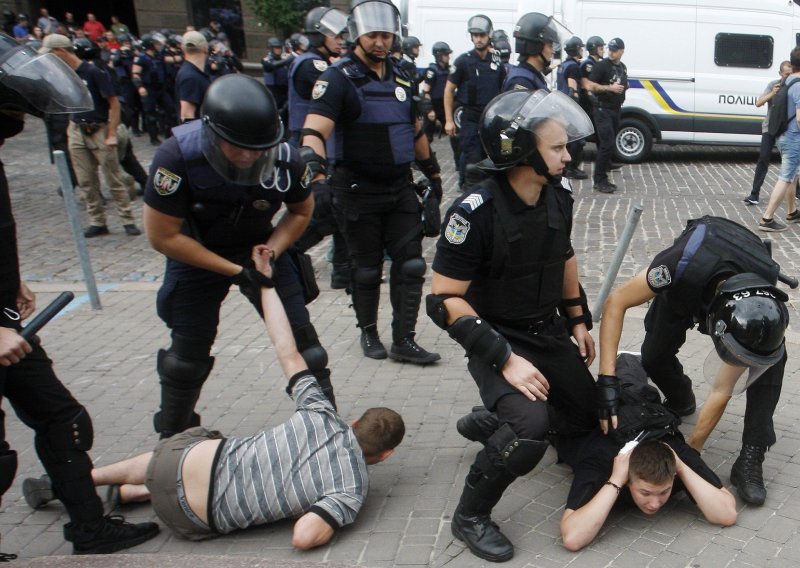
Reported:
(320, 65)
(165, 182)
(319, 89)
(400, 93)
(430, 74)
(659, 277)
(452, 69)
(457, 229)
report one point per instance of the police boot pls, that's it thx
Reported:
(406, 295)
(747, 475)
(366, 295)
(107, 534)
(478, 425)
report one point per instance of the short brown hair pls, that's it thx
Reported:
(652, 462)
(378, 430)
(794, 59)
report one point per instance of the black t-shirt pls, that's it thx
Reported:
(606, 72)
(9, 262)
(191, 85)
(100, 88)
(573, 72)
(306, 75)
(591, 458)
(335, 97)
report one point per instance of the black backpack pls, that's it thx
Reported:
(778, 121)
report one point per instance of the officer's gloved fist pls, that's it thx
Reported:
(607, 393)
(323, 197)
(250, 282)
(436, 186)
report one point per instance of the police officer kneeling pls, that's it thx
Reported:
(503, 267)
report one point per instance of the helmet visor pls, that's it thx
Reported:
(374, 17)
(241, 166)
(541, 106)
(333, 23)
(45, 81)
(730, 379)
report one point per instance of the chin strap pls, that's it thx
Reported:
(536, 161)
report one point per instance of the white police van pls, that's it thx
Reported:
(695, 67)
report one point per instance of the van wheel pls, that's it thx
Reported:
(634, 141)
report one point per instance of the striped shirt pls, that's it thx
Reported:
(312, 462)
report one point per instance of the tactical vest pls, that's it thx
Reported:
(561, 77)
(483, 80)
(225, 215)
(439, 81)
(298, 106)
(717, 248)
(150, 77)
(524, 281)
(383, 134)
(535, 80)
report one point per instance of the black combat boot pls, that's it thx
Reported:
(407, 350)
(747, 475)
(682, 407)
(478, 425)
(405, 294)
(107, 534)
(371, 343)
(38, 491)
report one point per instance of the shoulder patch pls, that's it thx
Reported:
(166, 182)
(475, 199)
(319, 89)
(457, 229)
(659, 277)
(402, 81)
(452, 69)
(320, 65)
(430, 74)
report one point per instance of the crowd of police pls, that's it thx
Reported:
(352, 158)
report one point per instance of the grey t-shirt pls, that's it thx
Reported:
(765, 124)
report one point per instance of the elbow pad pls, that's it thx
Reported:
(481, 340)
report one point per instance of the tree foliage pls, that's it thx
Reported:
(285, 16)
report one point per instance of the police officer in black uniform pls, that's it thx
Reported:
(432, 87)
(214, 188)
(609, 79)
(476, 79)
(62, 425)
(149, 79)
(504, 266)
(408, 63)
(568, 82)
(367, 103)
(719, 276)
(276, 71)
(595, 50)
(324, 28)
(537, 43)
(503, 47)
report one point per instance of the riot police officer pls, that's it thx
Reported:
(366, 102)
(408, 63)
(276, 66)
(537, 43)
(569, 82)
(432, 87)
(63, 427)
(214, 188)
(720, 275)
(504, 267)
(595, 49)
(149, 79)
(477, 77)
(502, 46)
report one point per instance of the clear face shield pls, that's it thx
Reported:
(373, 17)
(556, 106)
(44, 81)
(553, 32)
(241, 166)
(332, 23)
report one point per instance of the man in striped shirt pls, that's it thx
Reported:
(312, 467)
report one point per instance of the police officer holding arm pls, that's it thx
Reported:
(366, 102)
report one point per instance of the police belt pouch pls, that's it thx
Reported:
(431, 216)
(307, 279)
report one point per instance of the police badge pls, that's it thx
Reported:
(457, 229)
(319, 89)
(659, 277)
(320, 65)
(165, 182)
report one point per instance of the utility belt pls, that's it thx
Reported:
(89, 128)
(606, 106)
(345, 179)
(548, 325)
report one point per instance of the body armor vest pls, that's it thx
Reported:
(483, 80)
(561, 78)
(531, 79)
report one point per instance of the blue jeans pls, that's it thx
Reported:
(789, 147)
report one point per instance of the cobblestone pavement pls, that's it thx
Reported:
(107, 359)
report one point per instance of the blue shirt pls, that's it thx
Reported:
(793, 103)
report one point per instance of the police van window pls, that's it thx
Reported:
(743, 50)
(797, 39)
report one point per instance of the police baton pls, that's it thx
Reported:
(788, 280)
(46, 315)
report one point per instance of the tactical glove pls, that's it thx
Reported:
(607, 393)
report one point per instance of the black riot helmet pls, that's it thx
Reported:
(298, 41)
(480, 24)
(503, 47)
(533, 31)
(747, 321)
(149, 41)
(241, 111)
(573, 46)
(38, 83)
(593, 43)
(85, 48)
(410, 43)
(440, 48)
(499, 34)
(322, 22)
(509, 124)
(274, 42)
(367, 16)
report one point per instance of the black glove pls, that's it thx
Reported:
(323, 198)
(250, 282)
(607, 392)
(436, 186)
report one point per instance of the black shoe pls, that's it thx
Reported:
(482, 536)
(682, 408)
(340, 276)
(107, 535)
(478, 425)
(615, 166)
(38, 491)
(751, 200)
(747, 475)
(575, 173)
(132, 230)
(406, 350)
(605, 187)
(371, 344)
(95, 231)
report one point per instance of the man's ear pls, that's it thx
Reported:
(385, 454)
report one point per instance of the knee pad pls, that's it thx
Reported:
(519, 456)
(367, 276)
(8, 469)
(309, 347)
(414, 267)
(185, 363)
(76, 434)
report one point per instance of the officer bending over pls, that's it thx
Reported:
(214, 188)
(366, 102)
(504, 266)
